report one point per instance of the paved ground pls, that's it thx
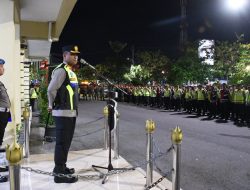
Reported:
(215, 155)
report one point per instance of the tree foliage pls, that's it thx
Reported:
(138, 75)
(227, 55)
(241, 74)
(86, 73)
(114, 68)
(189, 68)
(154, 62)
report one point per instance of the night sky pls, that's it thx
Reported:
(147, 24)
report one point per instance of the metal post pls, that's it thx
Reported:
(116, 136)
(26, 116)
(14, 156)
(106, 129)
(15, 176)
(30, 118)
(176, 140)
(150, 127)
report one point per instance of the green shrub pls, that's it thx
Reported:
(43, 104)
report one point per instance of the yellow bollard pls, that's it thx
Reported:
(26, 113)
(176, 135)
(176, 138)
(150, 128)
(14, 154)
(105, 111)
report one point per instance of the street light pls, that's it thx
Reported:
(236, 5)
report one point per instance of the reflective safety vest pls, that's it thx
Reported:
(135, 92)
(194, 95)
(140, 92)
(67, 94)
(188, 95)
(153, 93)
(33, 94)
(177, 93)
(247, 97)
(238, 97)
(167, 92)
(231, 96)
(146, 92)
(200, 95)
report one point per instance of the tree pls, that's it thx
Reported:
(189, 67)
(241, 74)
(155, 63)
(138, 75)
(226, 56)
(114, 67)
(86, 73)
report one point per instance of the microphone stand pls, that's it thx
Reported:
(100, 75)
(112, 105)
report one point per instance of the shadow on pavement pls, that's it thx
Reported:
(193, 116)
(207, 119)
(236, 136)
(220, 121)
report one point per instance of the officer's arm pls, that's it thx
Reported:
(56, 82)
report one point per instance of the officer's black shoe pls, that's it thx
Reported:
(3, 179)
(69, 170)
(4, 169)
(68, 179)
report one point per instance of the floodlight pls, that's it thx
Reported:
(236, 4)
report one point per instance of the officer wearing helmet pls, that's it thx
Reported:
(4, 115)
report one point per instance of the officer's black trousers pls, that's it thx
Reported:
(3, 123)
(65, 127)
(247, 113)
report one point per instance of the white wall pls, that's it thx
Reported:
(10, 52)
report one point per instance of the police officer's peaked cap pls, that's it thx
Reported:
(71, 49)
(2, 61)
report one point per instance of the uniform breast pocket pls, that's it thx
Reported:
(3, 91)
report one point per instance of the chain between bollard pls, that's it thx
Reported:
(157, 182)
(159, 150)
(155, 145)
(140, 164)
(154, 160)
(96, 177)
(93, 177)
(79, 176)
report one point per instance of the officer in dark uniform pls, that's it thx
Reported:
(63, 100)
(4, 115)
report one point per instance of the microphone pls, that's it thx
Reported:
(86, 63)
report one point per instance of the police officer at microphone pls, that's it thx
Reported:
(63, 100)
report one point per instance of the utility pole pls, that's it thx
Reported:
(183, 25)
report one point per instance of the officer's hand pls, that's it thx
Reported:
(49, 109)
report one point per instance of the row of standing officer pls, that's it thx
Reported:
(222, 100)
